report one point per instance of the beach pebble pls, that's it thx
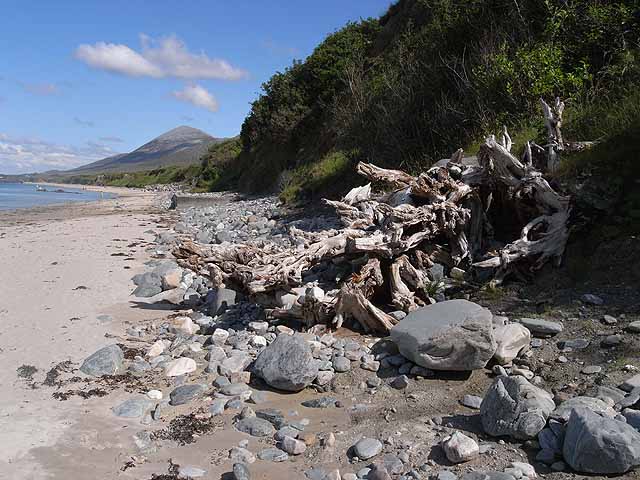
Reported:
(185, 394)
(459, 448)
(256, 427)
(273, 455)
(154, 394)
(293, 446)
(241, 472)
(133, 407)
(241, 455)
(106, 361)
(180, 366)
(189, 471)
(367, 448)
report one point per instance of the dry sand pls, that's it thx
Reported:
(65, 295)
(61, 291)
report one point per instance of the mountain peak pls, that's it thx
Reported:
(183, 131)
(182, 145)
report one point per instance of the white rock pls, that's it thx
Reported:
(526, 469)
(459, 448)
(187, 280)
(189, 472)
(523, 372)
(183, 325)
(154, 394)
(156, 349)
(293, 446)
(175, 296)
(282, 329)
(324, 377)
(259, 341)
(195, 347)
(180, 366)
(234, 364)
(511, 339)
(219, 336)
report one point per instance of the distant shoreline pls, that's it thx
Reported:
(118, 193)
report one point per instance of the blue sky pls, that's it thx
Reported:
(80, 80)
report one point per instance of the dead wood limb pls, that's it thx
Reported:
(545, 236)
(553, 121)
(358, 194)
(401, 296)
(442, 216)
(354, 300)
(396, 178)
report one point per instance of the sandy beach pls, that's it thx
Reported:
(67, 287)
(66, 277)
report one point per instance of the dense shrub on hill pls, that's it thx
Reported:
(410, 87)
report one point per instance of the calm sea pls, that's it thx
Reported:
(22, 195)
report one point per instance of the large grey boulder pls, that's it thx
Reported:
(106, 361)
(147, 279)
(515, 408)
(287, 364)
(452, 335)
(170, 274)
(148, 284)
(632, 417)
(147, 291)
(566, 408)
(596, 444)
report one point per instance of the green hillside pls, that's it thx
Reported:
(203, 175)
(428, 77)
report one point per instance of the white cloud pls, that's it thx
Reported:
(28, 155)
(44, 89)
(117, 58)
(164, 57)
(198, 96)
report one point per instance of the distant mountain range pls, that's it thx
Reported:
(181, 146)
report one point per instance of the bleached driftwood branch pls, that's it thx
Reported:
(391, 239)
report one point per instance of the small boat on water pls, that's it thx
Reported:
(40, 189)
